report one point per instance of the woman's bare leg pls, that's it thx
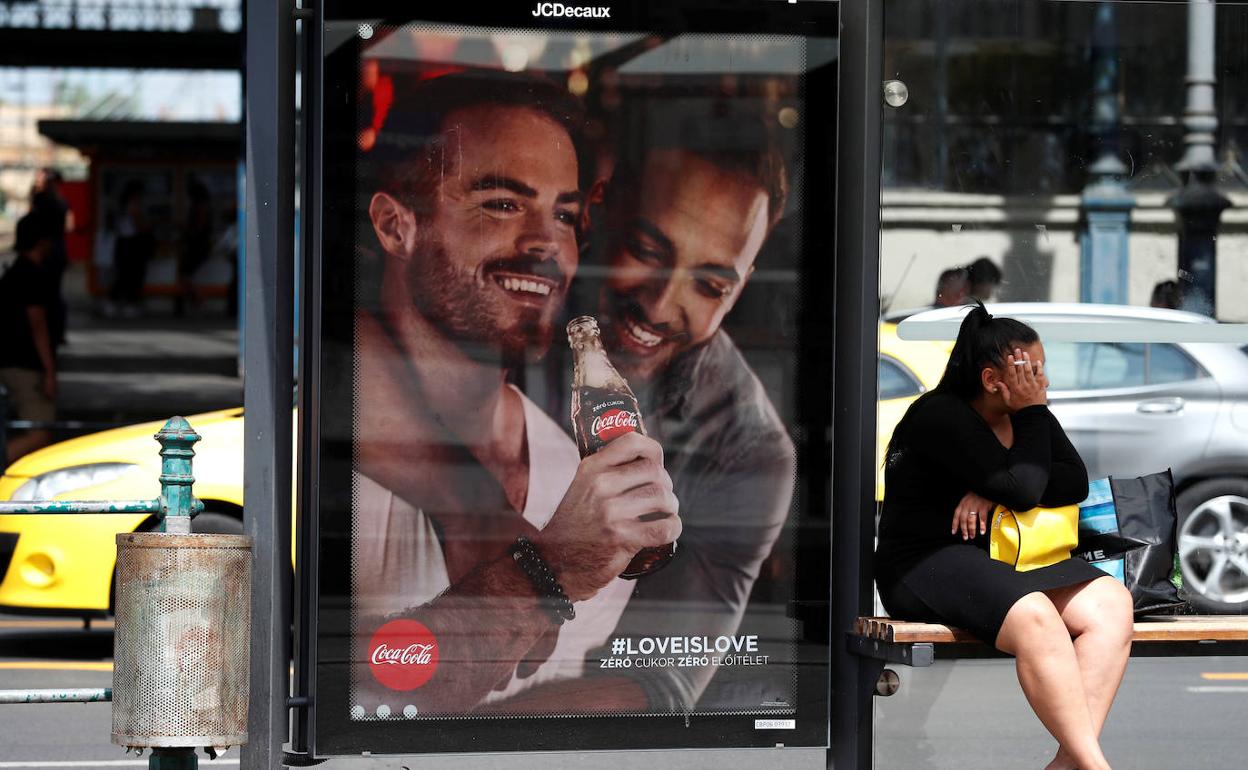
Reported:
(1099, 616)
(1048, 670)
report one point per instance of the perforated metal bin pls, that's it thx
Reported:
(181, 646)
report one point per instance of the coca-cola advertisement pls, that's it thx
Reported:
(571, 377)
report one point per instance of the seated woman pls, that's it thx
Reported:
(984, 436)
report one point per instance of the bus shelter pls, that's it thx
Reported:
(747, 197)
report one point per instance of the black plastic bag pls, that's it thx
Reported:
(1145, 541)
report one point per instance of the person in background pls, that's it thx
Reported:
(951, 288)
(196, 244)
(46, 202)
(983, 277)
(27, 350)
(1167, 294)
(132, 250)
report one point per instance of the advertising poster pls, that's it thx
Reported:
(573, 372)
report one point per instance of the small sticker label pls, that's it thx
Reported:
(775, 724)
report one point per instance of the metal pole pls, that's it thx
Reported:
(853, 392)
(177, 501)
(1105, 204)
(304, 612)
(4, 428)
(1198, 206)
(941, 33)
(268, 356)
(1200, 118)
(77, 695)
(173, 759)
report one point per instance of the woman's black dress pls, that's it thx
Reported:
(943, 450)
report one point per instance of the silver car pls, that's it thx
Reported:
(1134, 407)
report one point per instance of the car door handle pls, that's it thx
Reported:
(1160, 406)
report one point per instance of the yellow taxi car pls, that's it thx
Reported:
(64, 565)
(907, 369)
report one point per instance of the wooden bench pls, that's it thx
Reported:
(885, 640)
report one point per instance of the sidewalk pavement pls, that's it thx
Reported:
(131, 370)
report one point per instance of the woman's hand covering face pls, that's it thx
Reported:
(1023, 383)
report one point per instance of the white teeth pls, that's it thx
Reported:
(519, 284)
(642, 336)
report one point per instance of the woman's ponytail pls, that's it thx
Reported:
(982, 341)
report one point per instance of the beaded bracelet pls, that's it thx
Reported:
(540, 575)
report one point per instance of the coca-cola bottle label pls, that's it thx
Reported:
(613, 423)
(604, 417)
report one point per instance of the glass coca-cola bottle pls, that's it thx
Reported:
(604, 408)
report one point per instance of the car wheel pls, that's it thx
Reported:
(1213, 545)
(213, 523)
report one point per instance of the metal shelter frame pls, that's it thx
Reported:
(269, 339)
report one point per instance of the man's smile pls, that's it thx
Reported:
(530, 282)
(634, 334)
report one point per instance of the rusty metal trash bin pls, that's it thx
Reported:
(181, 645)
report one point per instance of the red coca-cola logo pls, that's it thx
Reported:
(403, 655)
(614, 423)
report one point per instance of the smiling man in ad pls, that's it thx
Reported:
(458, 473)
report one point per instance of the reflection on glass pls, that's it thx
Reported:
(1050, 140)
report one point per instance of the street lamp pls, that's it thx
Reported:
(1105, 204)
(1198, 206)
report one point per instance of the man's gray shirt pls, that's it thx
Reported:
(732, 465)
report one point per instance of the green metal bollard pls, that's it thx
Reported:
(177, 504)
(177, 448)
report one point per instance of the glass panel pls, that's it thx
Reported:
(1078, 166)
(1109, 365)
(1094, 365)
(1167, 363)
(896, 382)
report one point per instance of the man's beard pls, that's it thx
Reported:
(450, 298)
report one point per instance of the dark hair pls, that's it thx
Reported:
(133, 189)
(983, 270)
(983, 340)
(948, 279)
(1167, 294)
(409, 158)
(31, 229)
(744, 145)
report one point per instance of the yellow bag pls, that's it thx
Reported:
(1033, 539)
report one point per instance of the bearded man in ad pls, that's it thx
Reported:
(473, 198)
